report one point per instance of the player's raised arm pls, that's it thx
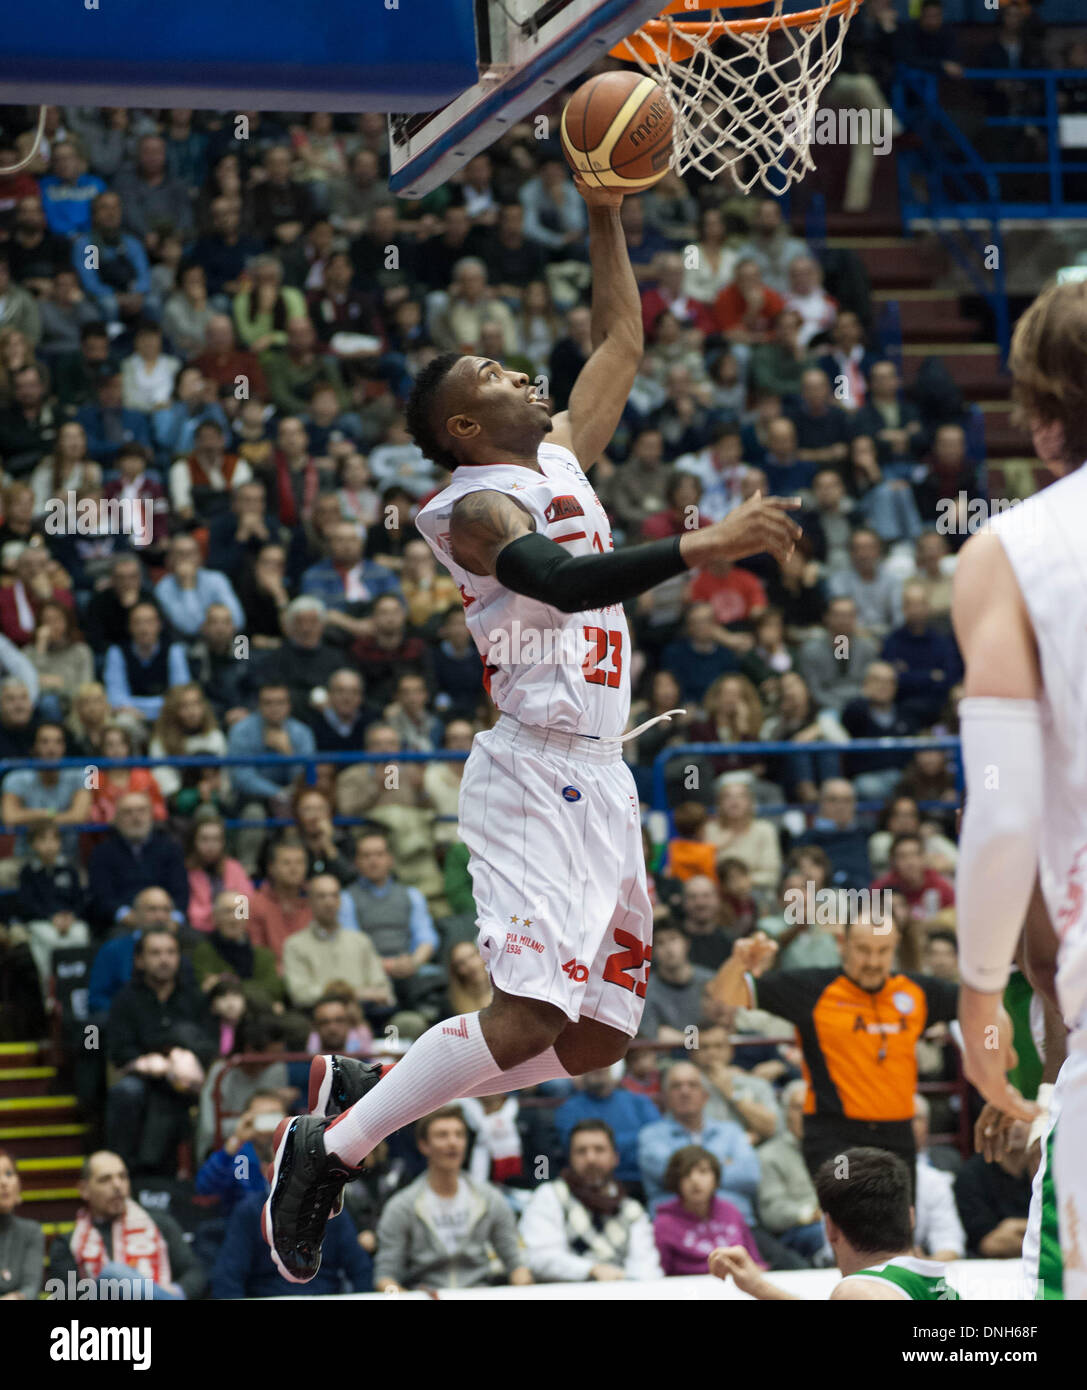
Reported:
(600, 392)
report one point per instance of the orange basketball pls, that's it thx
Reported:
(617, 131)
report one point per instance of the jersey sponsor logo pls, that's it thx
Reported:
(571, 794)
(562, 508)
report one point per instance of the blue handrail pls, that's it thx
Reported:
(857, 745)
(916, 101)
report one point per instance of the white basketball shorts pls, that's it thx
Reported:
(558, 874)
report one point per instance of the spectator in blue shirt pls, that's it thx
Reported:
(926, 660)
(243, 1269)
(109, 425)
(189, 590)
(237, 1169)
(626, 1113)
(685, 1096)
(270, 730)
(174, 427)
(139, 672)
(32, 795)
(344, 578)
(69, 191)
(113, 267)
(837, 834)
(115, 961)
(700, 656)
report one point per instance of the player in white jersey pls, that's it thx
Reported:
(548, 808)
(1020, 614)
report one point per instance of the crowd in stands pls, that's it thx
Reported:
(209, 325)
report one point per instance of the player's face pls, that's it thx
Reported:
(502, 405)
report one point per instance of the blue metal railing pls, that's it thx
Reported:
(754, 750)
(947, 181)
(311, 761)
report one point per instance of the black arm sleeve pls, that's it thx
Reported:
(539, 568)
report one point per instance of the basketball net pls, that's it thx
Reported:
(749, 108)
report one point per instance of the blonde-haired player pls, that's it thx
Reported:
(1020, 614)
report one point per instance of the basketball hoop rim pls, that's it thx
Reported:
(675, 36)
(816, 15)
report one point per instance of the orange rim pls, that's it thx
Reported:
(667, 37)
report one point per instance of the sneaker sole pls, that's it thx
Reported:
(279, 1140)
(320, 1085)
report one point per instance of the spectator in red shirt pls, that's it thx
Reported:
(222, 361)
(668, 295)
(734, 594)
(390, 653)
(746, 310)
(928, 893)
(683, 492)
(21, 602)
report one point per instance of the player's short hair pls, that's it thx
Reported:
(1048, 363)
(866, 1193)
(684, 1161)
(444, 1112)
(591, 1126)
(422, 412)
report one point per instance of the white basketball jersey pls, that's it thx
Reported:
(563, 671)
(1045, 539)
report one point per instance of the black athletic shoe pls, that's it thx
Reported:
(336, 1083)
(307, 1183)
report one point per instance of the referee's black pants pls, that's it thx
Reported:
(828, 1136)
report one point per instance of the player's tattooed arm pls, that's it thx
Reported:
(482, 525)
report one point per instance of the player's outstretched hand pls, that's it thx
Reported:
(599, 197)
(761, 523)
(988, 1054)
(735, 1261)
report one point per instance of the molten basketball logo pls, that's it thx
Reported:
(571, 794)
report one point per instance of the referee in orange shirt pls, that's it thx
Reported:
(858, 1028)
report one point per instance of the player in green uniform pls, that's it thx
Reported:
(864, 1195)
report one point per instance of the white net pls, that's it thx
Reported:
(744, 99)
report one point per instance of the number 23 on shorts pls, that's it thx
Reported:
(634, 955)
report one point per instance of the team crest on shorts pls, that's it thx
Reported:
(571, 794)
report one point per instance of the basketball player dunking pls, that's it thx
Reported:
(548, 808)
(1020, 614)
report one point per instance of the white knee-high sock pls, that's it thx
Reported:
(450, 1061)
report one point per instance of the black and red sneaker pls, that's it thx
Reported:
(336, 1083)
(306, 1186)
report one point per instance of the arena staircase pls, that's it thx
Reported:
(916, 278)
(42, 1133)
